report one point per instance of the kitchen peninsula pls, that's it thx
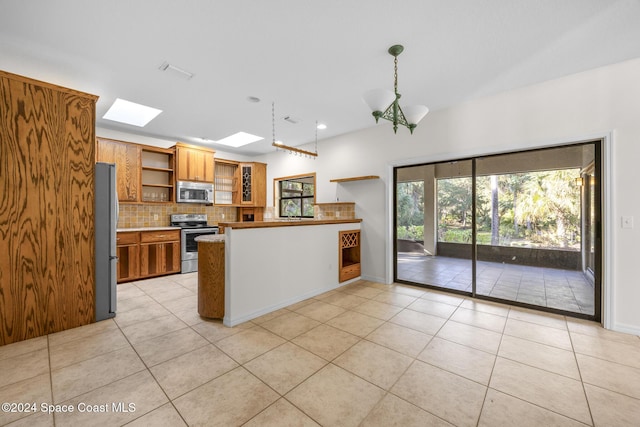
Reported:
(272, 264)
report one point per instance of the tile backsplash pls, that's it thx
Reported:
(144, 214)
(337, 210)
(133, 215)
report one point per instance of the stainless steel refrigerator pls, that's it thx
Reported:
(106, 219)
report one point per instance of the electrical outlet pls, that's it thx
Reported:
(155, 217)
(627, 222)
(337, 214)
(222, 216)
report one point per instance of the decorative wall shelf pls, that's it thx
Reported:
(355, 178)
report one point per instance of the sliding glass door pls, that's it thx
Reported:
(434, 218)
(519, 227)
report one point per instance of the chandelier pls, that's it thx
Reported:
(384, 103)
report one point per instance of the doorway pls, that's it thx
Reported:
(519, 227)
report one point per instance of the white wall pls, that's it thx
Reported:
(604, 101)
(259, 278)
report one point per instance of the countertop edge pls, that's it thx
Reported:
(292, 223)
(211, 238)
(134, 229)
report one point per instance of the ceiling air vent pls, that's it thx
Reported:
(292, 120)
(176, 71)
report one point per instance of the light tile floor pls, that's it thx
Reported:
(366, 354)
(547, 287)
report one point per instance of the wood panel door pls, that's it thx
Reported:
(127, 159)
(259, 184)
(128, 262)
(172, 257)
(253, 180)
(47, 232)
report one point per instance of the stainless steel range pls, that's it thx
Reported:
(192, 225)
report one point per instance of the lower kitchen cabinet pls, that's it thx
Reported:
(349, 255)
(155, 253)
(128, 252)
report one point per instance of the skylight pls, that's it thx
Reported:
(239, 139)
(131, 113)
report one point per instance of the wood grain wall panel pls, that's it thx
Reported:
(47, 254)
(127, 158)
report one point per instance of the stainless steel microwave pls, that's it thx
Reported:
(194, 192)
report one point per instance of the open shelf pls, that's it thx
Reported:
(158, 185)
(355, 178)
(157, 175)
(153, 168)
(225, 181)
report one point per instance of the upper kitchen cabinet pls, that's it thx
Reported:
(157, 174)
(226, 182)
(194, 163)
(47, 225)
(143, 173)
(240, 184)
(253, 179)
(127, 158)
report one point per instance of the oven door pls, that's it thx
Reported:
(189, 248)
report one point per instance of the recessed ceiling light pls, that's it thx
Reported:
(321, 126)
(239, 139)
(131, 113)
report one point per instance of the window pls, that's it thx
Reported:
(297, 196)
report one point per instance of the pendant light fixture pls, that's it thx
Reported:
(384, 103)
(292, 150)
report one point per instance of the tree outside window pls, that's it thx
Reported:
(296, 199)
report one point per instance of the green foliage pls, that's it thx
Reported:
(454, 235)
(412, 232)
(410, 203)
(534, 209)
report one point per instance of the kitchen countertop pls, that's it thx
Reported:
(287, 223)
(211, 238)
(124, 230)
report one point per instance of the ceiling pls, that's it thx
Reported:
(314, 59)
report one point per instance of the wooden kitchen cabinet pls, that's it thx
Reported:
(253, 181)
(159, 252)
(128, 252)
(194, 163)
(250, 214)
(241, 184)
(157, 174)
(349, 255)
(143, 254)
(225, 185)
(126, 157)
